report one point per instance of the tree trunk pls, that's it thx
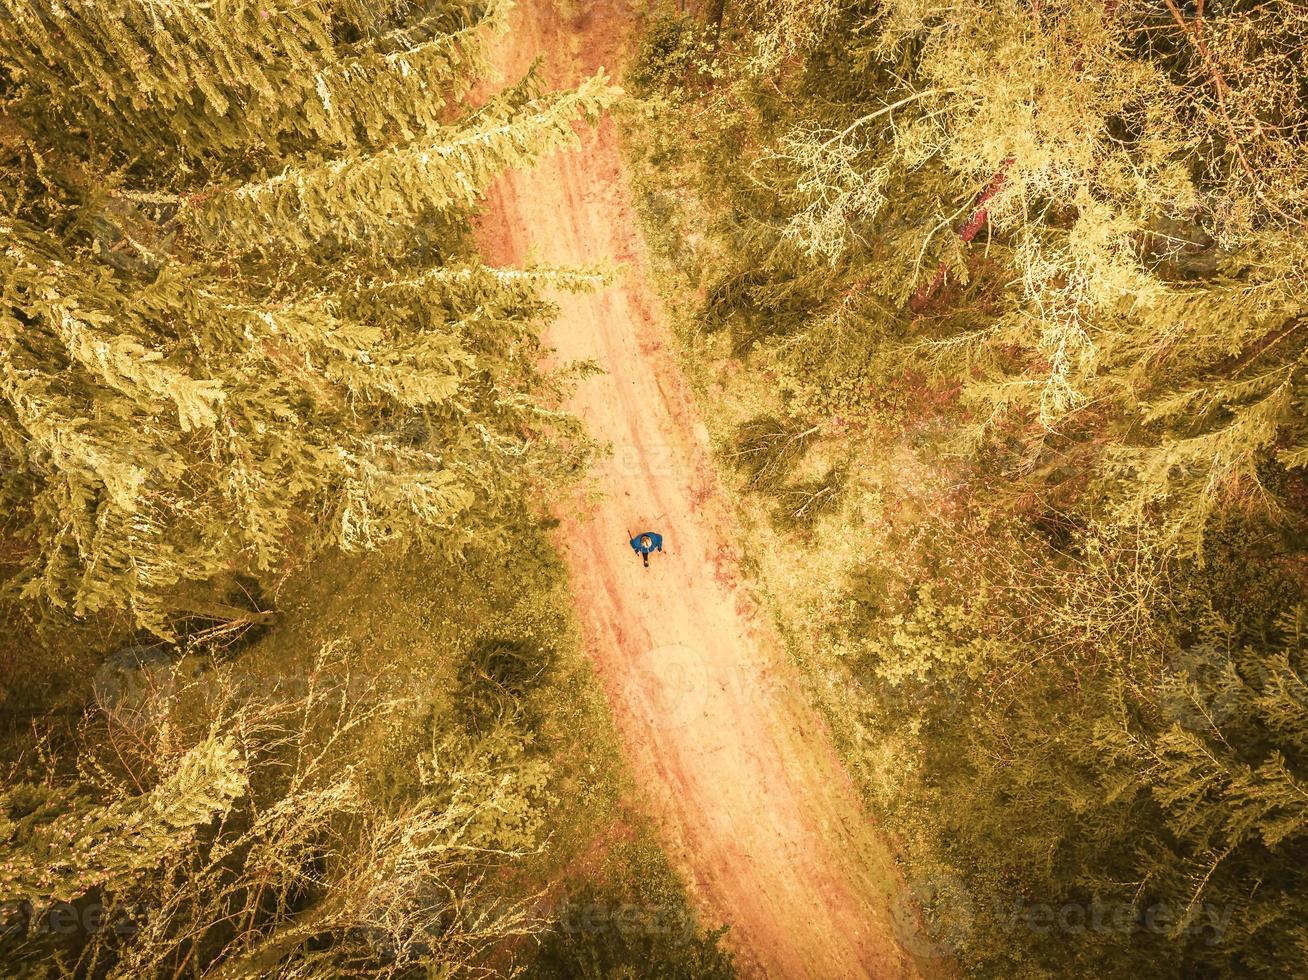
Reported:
(714, 11)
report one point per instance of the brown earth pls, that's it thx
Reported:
(751, 800)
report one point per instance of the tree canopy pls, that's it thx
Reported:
(1090, 216)
(240, 303)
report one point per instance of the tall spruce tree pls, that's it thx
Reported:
(239, 301)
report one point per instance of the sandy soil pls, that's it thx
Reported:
(752, 802)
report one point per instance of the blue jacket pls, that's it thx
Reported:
(655, 543)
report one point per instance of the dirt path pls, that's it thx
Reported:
(741, 776)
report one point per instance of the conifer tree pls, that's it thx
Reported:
(240, 305)
(236, 836)
(58, 846)
(1217, 767)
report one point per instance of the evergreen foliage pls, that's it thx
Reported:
(237, 836)
(61, 847)
(633, 927)
(1092, 217)
(240, 305)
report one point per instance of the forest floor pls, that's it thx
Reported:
(739, 770)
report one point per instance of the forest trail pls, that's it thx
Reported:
(740, 774)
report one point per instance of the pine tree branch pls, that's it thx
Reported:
(882, 111)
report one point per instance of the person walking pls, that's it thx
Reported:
(645, 542)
